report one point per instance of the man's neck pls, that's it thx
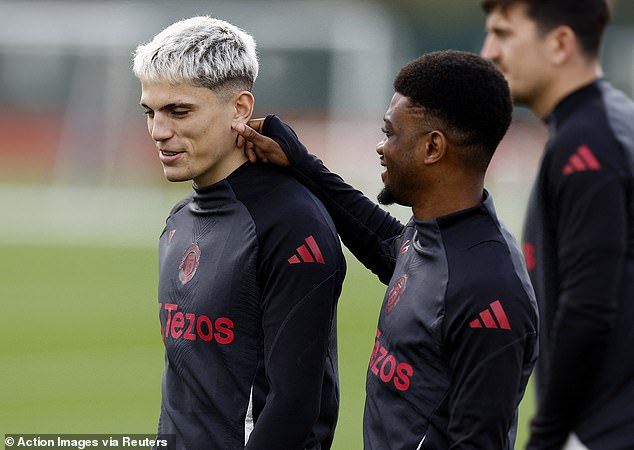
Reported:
(448, 200)
(222, 169)
(565, 83)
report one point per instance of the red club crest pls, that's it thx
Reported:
(189, 263)
(395, 293)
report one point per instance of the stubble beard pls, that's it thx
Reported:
(386, 197)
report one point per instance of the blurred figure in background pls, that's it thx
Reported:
(457, 333)
(250, 265)
(579, 229)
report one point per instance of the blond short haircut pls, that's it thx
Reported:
(203, 51)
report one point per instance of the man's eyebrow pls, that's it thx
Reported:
(171, 106)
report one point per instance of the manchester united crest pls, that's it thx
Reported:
(189, 263)
(395, 293)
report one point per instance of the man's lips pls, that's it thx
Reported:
(168, 156)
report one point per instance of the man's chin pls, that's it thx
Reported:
(386, 197)
(175, 177)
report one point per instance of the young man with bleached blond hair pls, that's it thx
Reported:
(250, 266)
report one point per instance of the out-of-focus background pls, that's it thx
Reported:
(84, 200)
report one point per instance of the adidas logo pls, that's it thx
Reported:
(486, 319)
(580, 161)
(305, 255)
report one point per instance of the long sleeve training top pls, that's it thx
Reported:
(250, 270)
(579, 246)
(457, 332)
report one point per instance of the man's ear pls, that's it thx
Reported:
(434, 147)
(244, 102)
(562, 44)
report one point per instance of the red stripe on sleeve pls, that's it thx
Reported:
(500, 315)
(305, 254)
(487, 318)
(315, 249)
(577, 162)
(587, 155)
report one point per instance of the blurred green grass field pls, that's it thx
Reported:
(81, 350)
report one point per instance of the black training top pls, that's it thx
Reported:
(579, 247)
(250, 272)
(457, 333)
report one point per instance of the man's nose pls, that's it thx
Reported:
(160, 129)
(379, 146)
(489, 49)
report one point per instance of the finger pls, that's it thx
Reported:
(250, 134)
(256, 124)
(263, 144)
(240, 141)
(265, 148)
(261, 155)
(250, 153)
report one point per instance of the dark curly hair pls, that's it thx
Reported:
(587, 18)
(465, 95)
